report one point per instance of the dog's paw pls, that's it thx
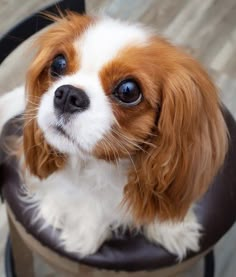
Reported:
(177, 238)
(82, 228)
(83, 238)
(52, 213)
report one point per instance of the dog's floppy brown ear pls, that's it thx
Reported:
(190, 144)
(40, 158)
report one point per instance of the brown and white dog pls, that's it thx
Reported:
(121, 129)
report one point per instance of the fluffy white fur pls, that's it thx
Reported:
(84, 198)
(107, 38)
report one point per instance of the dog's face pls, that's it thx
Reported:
(111, 90)
(100, 99)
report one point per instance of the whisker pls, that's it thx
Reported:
(114, 151)
(129, 140)
(124, 148)
(103, 142)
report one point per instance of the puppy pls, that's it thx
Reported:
(122, 129)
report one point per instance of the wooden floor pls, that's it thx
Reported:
(207, 29)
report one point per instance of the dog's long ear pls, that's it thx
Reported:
(40, 158)
(189, 145)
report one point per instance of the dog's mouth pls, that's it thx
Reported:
(61, 131)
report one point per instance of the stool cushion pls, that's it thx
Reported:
(216, 211)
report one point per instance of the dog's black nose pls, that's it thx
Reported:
(69, 99)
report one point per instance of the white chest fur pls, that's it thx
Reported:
(83, 200)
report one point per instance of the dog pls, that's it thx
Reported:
(122, 129)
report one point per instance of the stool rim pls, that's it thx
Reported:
(73, 267)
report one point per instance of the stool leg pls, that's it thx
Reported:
(9, 262)
(209, 264)
(23, 259)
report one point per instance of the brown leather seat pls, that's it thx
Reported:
(216, 211)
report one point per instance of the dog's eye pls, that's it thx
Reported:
(128, 93)
(58, 66)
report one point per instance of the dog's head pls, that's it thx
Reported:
(111, 90)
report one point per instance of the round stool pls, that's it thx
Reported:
(216, 211)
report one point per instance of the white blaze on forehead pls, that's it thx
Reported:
(103, 41)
